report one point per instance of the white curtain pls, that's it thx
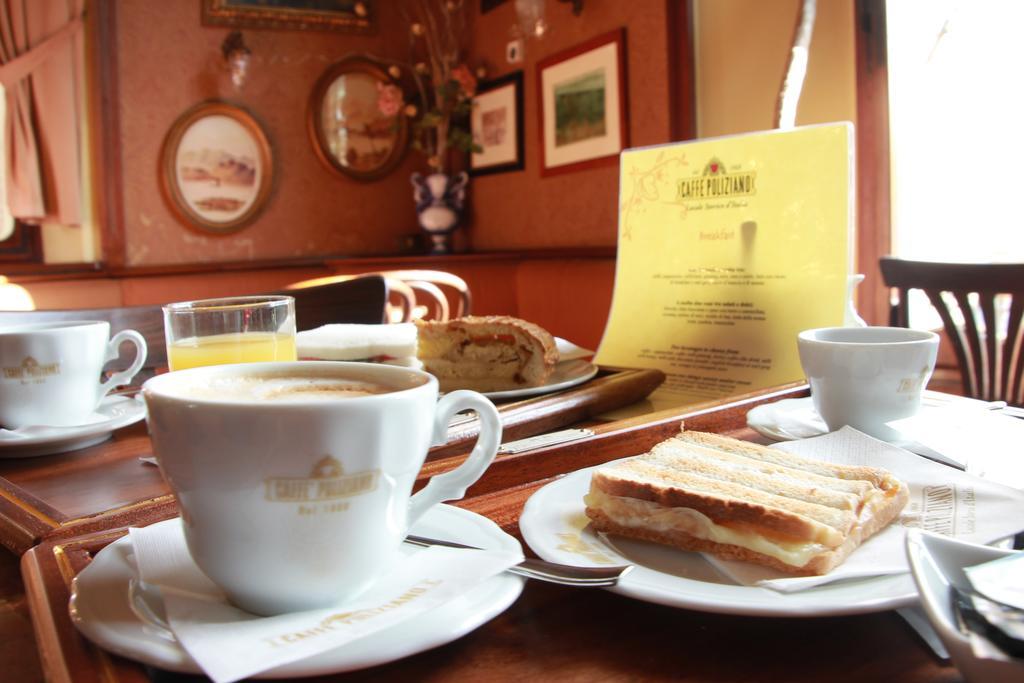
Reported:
(40, 63)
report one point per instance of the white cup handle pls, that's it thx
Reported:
(452, 485)
(113, 351)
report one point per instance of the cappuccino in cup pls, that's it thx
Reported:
(50, 372)
(865, 377)
(283, 389)
(295, 478)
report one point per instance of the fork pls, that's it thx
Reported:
(552, 572)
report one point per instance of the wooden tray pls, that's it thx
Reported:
(552, 632)
(106, 486)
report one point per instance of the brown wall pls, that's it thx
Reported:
(167, 62)
(521, 209)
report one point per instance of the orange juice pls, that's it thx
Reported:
(237, 347)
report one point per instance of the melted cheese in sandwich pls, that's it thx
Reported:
(633, 512)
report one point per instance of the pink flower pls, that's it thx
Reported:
(466, 79)
(389, 99)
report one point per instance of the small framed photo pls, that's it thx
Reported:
(349, 16)
(216, 167)
(497, 125)
(582, 94)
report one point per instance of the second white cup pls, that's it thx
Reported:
(865, 377)
(50, 372)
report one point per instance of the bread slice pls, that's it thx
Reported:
(392, 344)
(743, 501)
(486, 353)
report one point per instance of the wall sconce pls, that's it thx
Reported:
(236, 57)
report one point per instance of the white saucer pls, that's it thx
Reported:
(790, 419)
(555, 526)
(567, 374)
(108, 612)
(113, 413)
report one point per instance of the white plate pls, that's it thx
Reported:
(103, 608)
(937, 563)
(555, 526)
(568, 373)
(113, 413)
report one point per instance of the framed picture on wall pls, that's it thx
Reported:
(351, 16)
(497, 125)
(583, 114)
(216, 167)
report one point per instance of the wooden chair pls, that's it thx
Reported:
(974, 301)
(436, 288)
(359, 300)
(426, 294)
(399, 299)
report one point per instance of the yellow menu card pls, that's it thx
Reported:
(729, 247)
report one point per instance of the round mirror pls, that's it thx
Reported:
(356, 119)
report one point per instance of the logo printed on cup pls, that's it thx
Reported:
(30, 370)
(327, 482)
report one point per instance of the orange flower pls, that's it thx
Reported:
(466, 79)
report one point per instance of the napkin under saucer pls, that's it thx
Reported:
(113, 413)
(793, 419)
(111, 609)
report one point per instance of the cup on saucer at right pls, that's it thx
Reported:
(865, 377)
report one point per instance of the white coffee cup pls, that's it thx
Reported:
(865, 377)
(297, 501)
(50, 372)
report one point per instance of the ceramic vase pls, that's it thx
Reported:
(439, 202)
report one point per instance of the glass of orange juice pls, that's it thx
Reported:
(239, 329)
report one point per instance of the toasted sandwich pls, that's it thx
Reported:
(742, 501)
(486, 353)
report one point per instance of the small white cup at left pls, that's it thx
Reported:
(50, 373)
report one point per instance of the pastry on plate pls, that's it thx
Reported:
(486, 353)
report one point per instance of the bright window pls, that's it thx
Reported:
(956, 117)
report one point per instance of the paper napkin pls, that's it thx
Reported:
(987, 442)
(942, 499)
(230, 644)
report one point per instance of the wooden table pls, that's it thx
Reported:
(552, 632)
(106, 486)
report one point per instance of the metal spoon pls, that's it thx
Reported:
(564, 574)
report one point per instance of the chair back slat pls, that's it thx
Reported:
(991, 366)
(987, 306)
(1013, 368)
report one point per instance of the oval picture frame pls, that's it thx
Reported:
(358, 141)
(216, 168)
